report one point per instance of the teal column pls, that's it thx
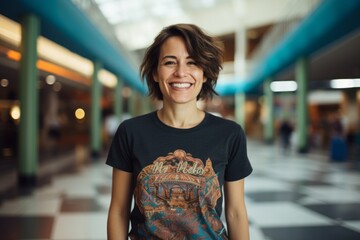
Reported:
(28, 95)
(118, 99)
(240, 109)
(301, 75)
(96, 112)
(269, 133)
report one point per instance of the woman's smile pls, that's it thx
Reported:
(181, 85)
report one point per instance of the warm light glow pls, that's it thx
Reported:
(15, 112)
(55, 59)
(58, 70)
(53, 68)
(80, 113)
(283, 86)
(10, 31)
(14, 55)
(50, 79)
(107, 78)
(4, 82)
(55, 53)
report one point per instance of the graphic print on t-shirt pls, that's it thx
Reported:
(177, 195)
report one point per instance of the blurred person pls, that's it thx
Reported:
(325, 131)
(53, 133)
(175, 161)
(338, 147)
(354, 146)
(285, 130)
(111, 123)
(350, 138)
(357, 147)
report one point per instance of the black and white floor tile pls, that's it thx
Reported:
(297, 197)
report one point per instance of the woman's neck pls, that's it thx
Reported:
(181, 116)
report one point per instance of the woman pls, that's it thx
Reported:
(176, 160)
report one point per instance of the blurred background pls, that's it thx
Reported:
(291, 78)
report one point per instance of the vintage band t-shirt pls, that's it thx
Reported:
(178, 174)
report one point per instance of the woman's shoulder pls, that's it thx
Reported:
(221, 121)
(138, 121)
(135, 125)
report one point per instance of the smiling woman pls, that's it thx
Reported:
(176, 160)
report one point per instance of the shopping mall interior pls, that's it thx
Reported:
(69, 75)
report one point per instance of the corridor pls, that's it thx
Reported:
(297, 197)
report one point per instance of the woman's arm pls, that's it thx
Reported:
(119, 211)
(235, 210)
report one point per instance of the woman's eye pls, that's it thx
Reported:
(169, 63)
(192, 63)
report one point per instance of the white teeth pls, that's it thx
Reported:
(181, 85)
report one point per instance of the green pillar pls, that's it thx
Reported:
(96, 112)
(269, 133)
(138, 104)
(301, 75)
(118, 99)
(240, 109)
(133, 103)
(28, 95)
(146, 106)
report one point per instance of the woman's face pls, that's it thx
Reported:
(179, 77)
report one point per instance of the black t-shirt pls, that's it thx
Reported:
(178, 174)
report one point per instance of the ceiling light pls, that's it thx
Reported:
(345, 83)
(324, 97)
(283, 86)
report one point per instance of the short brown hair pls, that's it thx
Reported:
(205, 50)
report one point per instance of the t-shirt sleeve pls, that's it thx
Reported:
(239, 165)
(119, 155)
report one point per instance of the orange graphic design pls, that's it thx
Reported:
(177, 194)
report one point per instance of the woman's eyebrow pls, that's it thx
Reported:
(168, 56)
(173, 57)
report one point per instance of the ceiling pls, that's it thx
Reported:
(339, 60)
(136, 22)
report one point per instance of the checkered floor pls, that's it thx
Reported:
(297, 197)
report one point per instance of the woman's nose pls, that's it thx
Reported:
(180, 70)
